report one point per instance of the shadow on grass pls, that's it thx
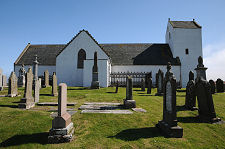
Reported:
(138, 90)
(180, 95)
(146, 95)
(111, 92)
(80, 88)
(138, 133)
(45, 94)
(41, 138)
(181, 90)
(189, 119)
(181, 108)
(10, 106)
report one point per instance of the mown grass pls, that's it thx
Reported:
(29, 128)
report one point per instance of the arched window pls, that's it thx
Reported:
(186, 51)
(80, 59)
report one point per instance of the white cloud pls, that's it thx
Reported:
(214, 59)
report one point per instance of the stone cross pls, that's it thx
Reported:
(36, 81)
(95, 82)
(200, 70)
(13, 89)
(22, 78)
(149, 85)
(142, 84)
(219, 86)
(46, 74)
(190, 98)
(213, 86)
(28, 101)
(159, 83)
(117, 86)
(54, 85)
(129, 102)
(169, 123)
(35, 68)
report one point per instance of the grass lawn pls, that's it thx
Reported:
(29, 128)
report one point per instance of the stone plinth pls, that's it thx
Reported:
(128, 104)
(170, 132)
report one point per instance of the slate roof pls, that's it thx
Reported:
(46, 54)
(185, 24)
(140, 54)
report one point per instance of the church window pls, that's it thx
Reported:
(81, 58)
(186, 51)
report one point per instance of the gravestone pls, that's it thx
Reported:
(54, 85)
(190, 98)
(46, 81)
(36, 81)
(159, 83)
(39, 79)
(22, 77)
(149, 82)
(117, 86)
(27, 101)
(13, 89)
(129, 102)
(62, 127)
(169, 123)
(95, 82)
(219, 86)
(213, 87)
(4, 81)
(142, 84)
(1, 86)
(206, 109)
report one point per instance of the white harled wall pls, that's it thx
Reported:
(180, 40)
(66, 61)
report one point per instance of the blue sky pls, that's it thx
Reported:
(109, 21)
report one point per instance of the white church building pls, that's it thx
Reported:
(73, 61)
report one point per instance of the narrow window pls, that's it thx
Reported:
(169, 35)
(81, 58)
(186, 51)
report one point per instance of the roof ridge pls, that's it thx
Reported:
(131, 43)
(45, 44)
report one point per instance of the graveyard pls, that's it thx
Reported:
(30, 128)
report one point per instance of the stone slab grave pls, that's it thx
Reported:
(103, 107)
(54, 104)
(139, 110)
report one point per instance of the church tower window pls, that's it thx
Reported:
(186, 51)
(81, 58)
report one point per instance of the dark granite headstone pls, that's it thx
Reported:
(149, 87)
(129, 102)
(117, 86)
(219, 86)
(213, 87)
(169, 123)
(142, 84)
(159, 83)
(95, 82)
(200, 70)
(190, 99)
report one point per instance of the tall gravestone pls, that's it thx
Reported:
(149, 87)
(22, 77)
(27, 101)
(36, 81)
(213, 86)
(206, 109)
(117, 86)
(54, 85)
(142, 84)
(46, 81)
(159, 83)
(13, 89)
(219, 86)
(190, 99)
(169, 123)
(62, 127)
(95, 82)
(1, 86)
(129, 102)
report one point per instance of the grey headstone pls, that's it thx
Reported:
(46, 81)
(159, 83)
(149, 85)
(36, 91)
(142, 84)
(219, 86)
(95, 82)
(54, 85)
(169, 123)
(22, 77)
(12, 90)
(4, 81)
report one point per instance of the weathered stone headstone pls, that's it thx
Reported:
(39, 79)
(149, 82)
(169, 123)
(36, 81)
(142, 84)
(22, 77)
(117, 86)
(62, 127)
(213, 86)
(1, 86)
(28, 101)
(4, 81)
(95, 82)
(219, 86)
(54, 85)
(129, 102)
(159, 83)
(190, 99)
(46, 75)
(200, 70)
(12, 90)
(206, 109)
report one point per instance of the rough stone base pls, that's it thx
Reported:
(209, 119)
(171, 132)
(95, 85)
(128, 104)
(26, 105)
(61, 135)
